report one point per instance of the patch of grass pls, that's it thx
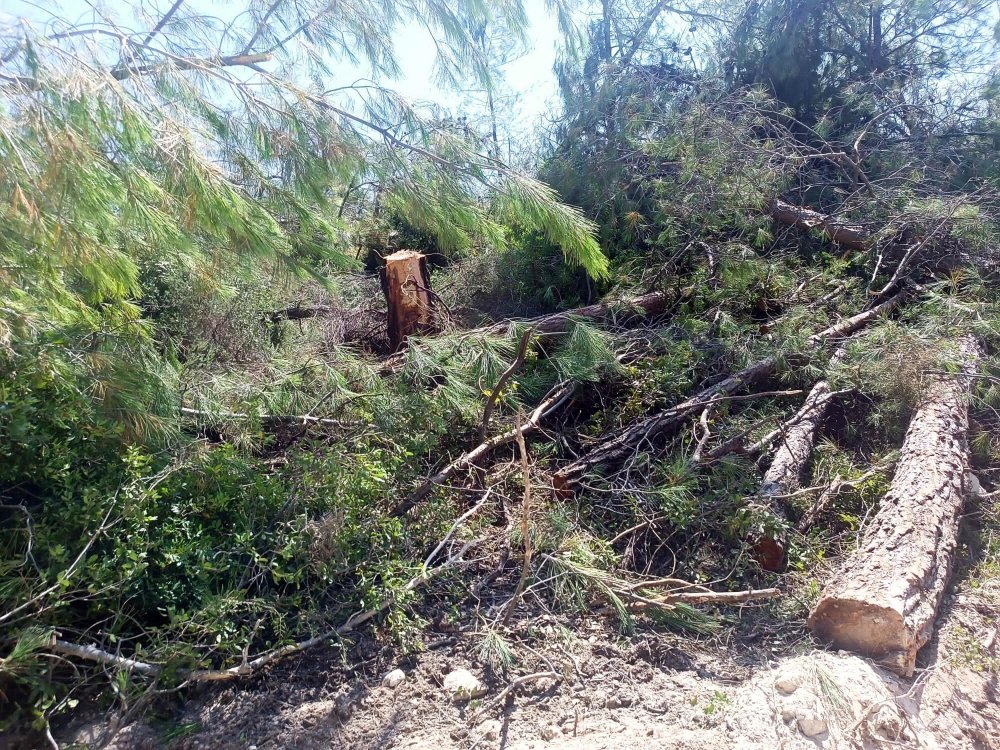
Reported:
(716, 703)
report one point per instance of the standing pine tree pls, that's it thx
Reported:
(180, 139)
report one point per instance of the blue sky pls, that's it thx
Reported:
(531, 76)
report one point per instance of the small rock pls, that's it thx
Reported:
(459, 733)
(888, 724)
(789, 715)
(463, 685)
(343, 712)
(811, 725)
(549, 732)
(973, 486)
(618, 700)
(491, 729)
(394, 678)
(786, 683)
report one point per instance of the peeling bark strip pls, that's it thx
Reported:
(784, 475)
(883, 600)
(618, 448)
(407, 286)
(848, 235)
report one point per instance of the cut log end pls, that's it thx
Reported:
(770, 554)
(883, 599)
(563, 486)
(878, 632)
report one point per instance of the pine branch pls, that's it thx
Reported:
(556, 398)
(491, 402)
(162, 22)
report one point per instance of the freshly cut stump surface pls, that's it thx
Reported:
(408, 294)
(882, 602)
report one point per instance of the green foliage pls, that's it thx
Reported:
(832, 57)
(166, 490)
(496, 651)
(160, 171)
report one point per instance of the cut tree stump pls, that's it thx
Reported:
(407, 286)
(883, 600)
(784, 475)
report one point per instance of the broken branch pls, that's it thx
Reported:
(556, 398)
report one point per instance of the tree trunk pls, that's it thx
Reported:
(848, 235)
(407, 285)
(784, 475)
(555, 324)
(617, 449)
(883, 600)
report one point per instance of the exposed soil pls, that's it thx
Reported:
(653, 690)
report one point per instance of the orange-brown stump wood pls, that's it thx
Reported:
(407, 285)
(883, 600)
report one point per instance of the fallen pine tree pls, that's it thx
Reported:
(616, 449)
(843, 233)
(883, 600)
(556, 324)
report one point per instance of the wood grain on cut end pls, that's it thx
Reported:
(878, 632)
(770, 554)
(883, 600)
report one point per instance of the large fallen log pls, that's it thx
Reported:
(883, 600)
(298, 312)
(849, 235)
(555, 324)
(618, 448)
(784, 475)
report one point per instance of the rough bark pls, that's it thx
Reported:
(558, 323)
(795, 447)
(619, 447)
(784, 475)
(848, 235)
(407, 285)
(882, 602)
